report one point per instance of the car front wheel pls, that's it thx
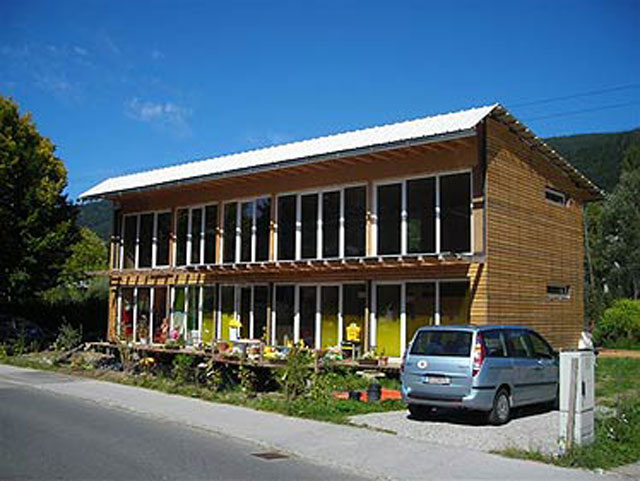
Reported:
(501, 411)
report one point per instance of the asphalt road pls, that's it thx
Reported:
(56, 437)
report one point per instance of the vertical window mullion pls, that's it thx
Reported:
(172, 298)
(340, 313)
(374, 221)
(202, 233)
(238, 237)
(189, 221)
(273, 315)
(298, 234)
(154, 240)
(403, 218)
(318, 329)
(437, 313)
(373, 316)
(403, 317)
(437, 214)
(152, 293)
(254, 241)
(218, 310)
(319, 227)
(341, 227)
(251, 313)
(119, 315)
(137, 248)
(276, 227)
(200, 305)
(296, 313)
(135, 314)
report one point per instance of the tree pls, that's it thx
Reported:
(621, 230)
(74, 281)
(37, 222)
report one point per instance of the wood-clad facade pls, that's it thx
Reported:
(449, 230)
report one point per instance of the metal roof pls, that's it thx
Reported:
(438, 127)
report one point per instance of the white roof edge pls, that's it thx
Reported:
(421, 128)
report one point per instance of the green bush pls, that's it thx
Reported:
(183, 370)
(296, 372)
(619, 324)
(68, 338)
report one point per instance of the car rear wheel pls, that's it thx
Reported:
(501, 411)
(418, 411)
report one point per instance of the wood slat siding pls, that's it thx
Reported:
(531, 242)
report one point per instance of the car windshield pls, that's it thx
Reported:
(442, 343)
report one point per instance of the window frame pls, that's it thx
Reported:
(203, 233)
(373, 305)
(558, 296)
(154, 238)
(404, 214)
(563, 197)
(319, 192)
(238, 234)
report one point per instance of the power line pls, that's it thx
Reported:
(578, 95)
(581, 111)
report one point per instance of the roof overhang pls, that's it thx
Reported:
(439, 128)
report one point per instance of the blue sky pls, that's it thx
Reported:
(126, 86)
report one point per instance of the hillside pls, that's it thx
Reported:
(97, 217)
(598, 156)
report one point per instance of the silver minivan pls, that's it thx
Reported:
(485, 368)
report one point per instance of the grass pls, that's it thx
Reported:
(325, 408)
(617, 377)
(617, 437)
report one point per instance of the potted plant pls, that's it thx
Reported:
(369, 359)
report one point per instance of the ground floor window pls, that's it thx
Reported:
(400, 308)
(201, 314)
(186, 314)
(319, 315)
(142, 314)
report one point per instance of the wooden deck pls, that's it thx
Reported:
(159, 350)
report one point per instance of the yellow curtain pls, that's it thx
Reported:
(329, 324)
(388, 326)
(208, 314)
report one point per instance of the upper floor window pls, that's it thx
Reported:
(146, 240)
(246, 231)
(196, 235)
(555, 196)
(424, 216)
(322, 225)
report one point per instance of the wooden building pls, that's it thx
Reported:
(459, 218)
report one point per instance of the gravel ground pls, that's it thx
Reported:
(531, 429)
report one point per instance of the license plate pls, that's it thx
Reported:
(437, 380)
